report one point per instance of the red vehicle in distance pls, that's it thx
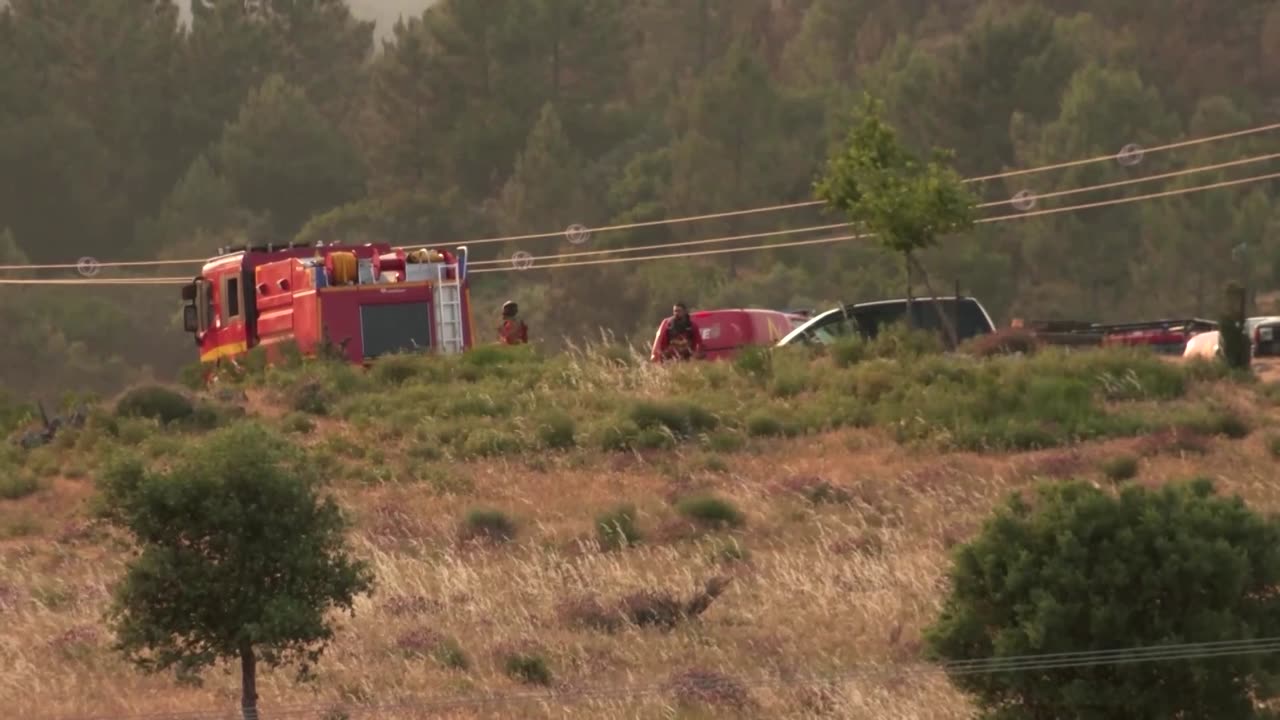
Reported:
(725, 332)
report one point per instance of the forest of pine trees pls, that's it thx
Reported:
(127, 133)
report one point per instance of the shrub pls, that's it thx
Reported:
(396, 369)
(557, 431)
(448, 653)
(528, 668)
(848, 350)
(1120, 468)
(816, 490)
(1273, 444)
(298, 423)
(1222, 422)
(15, 484)
(1078, 551)
(755, 362)
(711, 511)
(682, 419)
(617, 527)
(898, 341)
(488, 524)
(156, 402)
(725, 441)
(310, 397)
(765, 424)
(490, 442)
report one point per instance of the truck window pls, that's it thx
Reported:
(833, 327)
(204, 305)
(230, 298)
(925, 316)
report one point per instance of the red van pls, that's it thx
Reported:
(724, 332)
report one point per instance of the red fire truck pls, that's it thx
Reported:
(366, 300)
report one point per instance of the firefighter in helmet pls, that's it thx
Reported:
(512, 331)
(682, 339)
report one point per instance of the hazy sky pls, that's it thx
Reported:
(384, 11)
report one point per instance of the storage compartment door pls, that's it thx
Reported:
(389, 328)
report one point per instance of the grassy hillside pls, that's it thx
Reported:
(546, 524)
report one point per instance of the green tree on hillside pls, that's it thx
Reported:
(1077, 569)
(239, 558)
(285, 159)
(885, 190)
(545, 189)
(1090, 253)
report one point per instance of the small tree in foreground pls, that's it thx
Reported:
(906, 203)
(239, 558)
(1082, 570)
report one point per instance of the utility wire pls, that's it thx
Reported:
(811, 203)
(750, 248)
(816, 228)
(860, 236)
(712, 216)
(1041, 662)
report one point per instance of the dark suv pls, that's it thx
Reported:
(968, 316)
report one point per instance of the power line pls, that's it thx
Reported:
(1040, 662)
(811, 203)
(816, 228)
(1103, 158)
(841, 238)
(750, 248)
(734, 213)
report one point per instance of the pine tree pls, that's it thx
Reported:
(285, 160)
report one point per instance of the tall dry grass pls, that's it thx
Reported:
(839, 564)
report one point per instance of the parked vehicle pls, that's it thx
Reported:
(366, 300)
(1167, 337)
(1264, 335)
(866, 319)
(725, 332)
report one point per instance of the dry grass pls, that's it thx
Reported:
(840, 563)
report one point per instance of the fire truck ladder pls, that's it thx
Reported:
(449, 309)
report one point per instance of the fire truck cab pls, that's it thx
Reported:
(365, 300)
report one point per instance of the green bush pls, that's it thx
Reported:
(1070, 561)
(298, 423)
(311, 397)
(1216, 421)
(397, 369)
(682, 419)
(848, 351)
(897, 341)
(488, 524)
(765, 424)
(156, 402)
(711, 511)
(16, 484)
(557, 431)
(527, 668)
(617, 527)
(1120, 468)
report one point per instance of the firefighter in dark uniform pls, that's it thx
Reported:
(682, 339)
(512, 331)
